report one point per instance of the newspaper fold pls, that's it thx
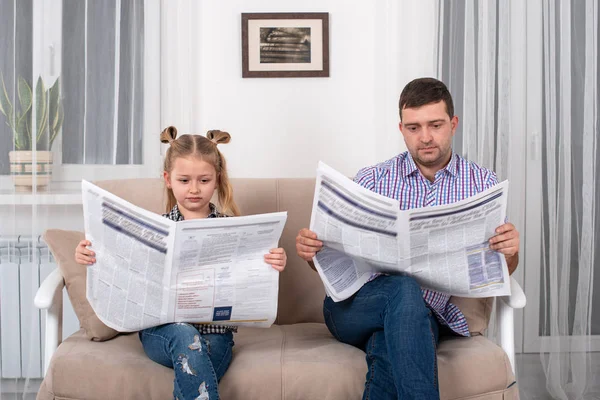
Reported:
(150, 270)
(445, 248)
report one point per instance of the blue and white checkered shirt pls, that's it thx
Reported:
(400, 179)
(204, 329)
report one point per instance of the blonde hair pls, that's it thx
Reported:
(205, 149)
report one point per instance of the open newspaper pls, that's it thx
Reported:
(445, 248)
(150, 270)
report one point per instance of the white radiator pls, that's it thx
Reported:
(24, 263)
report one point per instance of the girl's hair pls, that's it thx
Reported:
(205, 149)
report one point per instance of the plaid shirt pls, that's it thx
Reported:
(204, 329)
(399, 178)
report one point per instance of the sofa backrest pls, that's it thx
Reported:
(301, 291)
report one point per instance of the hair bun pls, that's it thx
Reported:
(218, 137)
(168, 135)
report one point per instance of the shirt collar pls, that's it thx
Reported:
(176, 215)
(452, 166)
(410, 167)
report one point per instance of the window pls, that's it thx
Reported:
(100, 52)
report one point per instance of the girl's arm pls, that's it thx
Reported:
(277, 258)
(83, 255)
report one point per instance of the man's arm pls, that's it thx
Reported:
(512, 262)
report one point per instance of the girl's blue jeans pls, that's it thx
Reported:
(199, 361)
(389, 320)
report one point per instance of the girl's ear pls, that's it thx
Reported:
(167, 179)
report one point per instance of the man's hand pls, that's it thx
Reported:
(307, 244)
(507, 242)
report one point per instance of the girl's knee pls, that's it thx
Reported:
(182, 334)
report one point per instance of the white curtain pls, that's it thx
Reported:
(96, 49)
(482, 48)
(100, 64)
(15, 36)
(571, 189)
(103, 81)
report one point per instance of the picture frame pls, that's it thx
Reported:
(291, 45)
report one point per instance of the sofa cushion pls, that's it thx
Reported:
(148, 193)
(255, 196)
(472, 366)
(476, 311)
(62, 244)
(301, 291)
(301, 361)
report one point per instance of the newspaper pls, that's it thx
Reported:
(445, 248)
(150, 270)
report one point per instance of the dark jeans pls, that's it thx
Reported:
(389, 320)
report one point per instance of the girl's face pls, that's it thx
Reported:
(193, 182)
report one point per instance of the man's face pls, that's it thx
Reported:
(428, 132)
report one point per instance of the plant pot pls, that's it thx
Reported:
(21, 169)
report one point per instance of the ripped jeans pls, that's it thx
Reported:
(199, 361)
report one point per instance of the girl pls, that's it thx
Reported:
(200, 354)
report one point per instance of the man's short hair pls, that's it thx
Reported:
(423, 91)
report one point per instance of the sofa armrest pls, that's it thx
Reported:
(49, 297)
(505, 306)
(517, 297)
(48, 291)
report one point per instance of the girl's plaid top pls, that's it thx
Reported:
(204, 329)
(399, 178)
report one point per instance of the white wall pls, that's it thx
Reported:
(281, 127)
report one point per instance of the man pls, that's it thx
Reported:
(391, 318)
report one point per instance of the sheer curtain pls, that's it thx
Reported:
(571, 189)
(99, 60)
(96, 49)
(475, 60)
(482, 52)
(16, 34)
(103, 81)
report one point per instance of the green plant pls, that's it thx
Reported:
(49, 114)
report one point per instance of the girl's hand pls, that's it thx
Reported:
(277, 258)
(83, 255)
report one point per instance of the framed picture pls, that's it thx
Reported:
(285, 45)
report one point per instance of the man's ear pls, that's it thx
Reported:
(454, 124)
(167, 179)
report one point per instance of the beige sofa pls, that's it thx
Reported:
(296, 358)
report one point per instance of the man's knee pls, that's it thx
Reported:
(407, 295)
(407, 286)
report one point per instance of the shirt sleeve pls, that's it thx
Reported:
(366, 178)
(490, 181)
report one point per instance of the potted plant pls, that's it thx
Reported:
(30, 144)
